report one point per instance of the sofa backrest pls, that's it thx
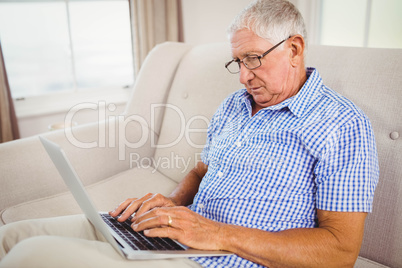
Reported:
(200, 84)
(371, 78)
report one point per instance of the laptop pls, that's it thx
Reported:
(130, 244)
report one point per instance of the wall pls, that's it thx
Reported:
(206, 21)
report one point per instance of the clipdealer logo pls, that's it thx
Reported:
(171, 161)
(112, 128)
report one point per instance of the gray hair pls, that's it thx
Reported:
(273, 20)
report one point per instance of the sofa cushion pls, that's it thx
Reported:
(106, 194)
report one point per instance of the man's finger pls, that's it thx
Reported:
(122, 206)
(159, 217)
(169, 232)
(133, 207)
(157, 200)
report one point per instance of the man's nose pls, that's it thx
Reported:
(245, 74)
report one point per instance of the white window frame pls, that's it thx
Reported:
(59, 102)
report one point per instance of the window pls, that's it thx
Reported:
(58, 46)
(367, 23)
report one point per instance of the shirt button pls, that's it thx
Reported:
(220, 174)
(238, 143)
(201, 206)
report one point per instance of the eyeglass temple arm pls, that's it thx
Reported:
(228, 63)
(272, 48)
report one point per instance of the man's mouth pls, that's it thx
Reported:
(254, 88)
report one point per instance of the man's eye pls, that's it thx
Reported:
(252, 58)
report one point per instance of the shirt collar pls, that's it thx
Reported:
(310, 93)
(301, 102)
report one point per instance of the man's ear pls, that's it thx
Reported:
(297, 46)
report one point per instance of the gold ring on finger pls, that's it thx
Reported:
(170, 221)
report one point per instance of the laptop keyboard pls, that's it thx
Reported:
(137, 240)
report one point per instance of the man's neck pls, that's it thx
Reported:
(299, 79)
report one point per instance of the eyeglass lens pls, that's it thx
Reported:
(251, 62)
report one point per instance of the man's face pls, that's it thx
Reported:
(273, 81)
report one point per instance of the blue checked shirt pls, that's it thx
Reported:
(273, 170)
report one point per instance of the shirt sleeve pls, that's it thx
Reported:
(347, 172)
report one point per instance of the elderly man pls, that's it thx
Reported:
(288, 171)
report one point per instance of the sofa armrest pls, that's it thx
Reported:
(96, 151)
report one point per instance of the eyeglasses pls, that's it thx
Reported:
(251, 62)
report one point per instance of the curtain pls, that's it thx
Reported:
(153, 22)
(8, 120)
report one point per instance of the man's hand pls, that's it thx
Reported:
(140, 206)
(183, 195)
(181, 224)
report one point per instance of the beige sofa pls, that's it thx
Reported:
(160, 136)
